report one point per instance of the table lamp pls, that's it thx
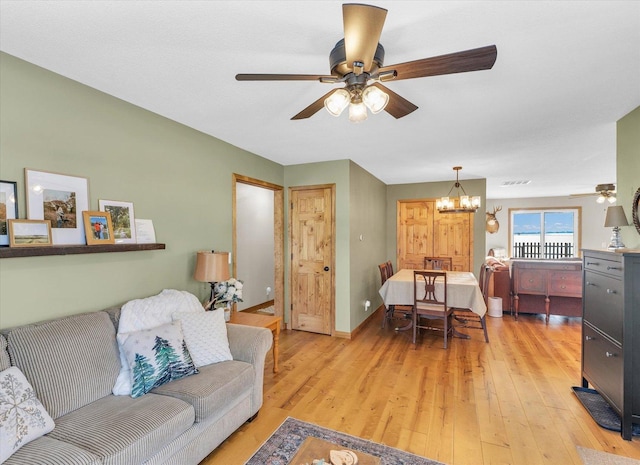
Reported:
(614, 219)
(211, 267)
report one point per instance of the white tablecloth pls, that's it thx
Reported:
(462, 291)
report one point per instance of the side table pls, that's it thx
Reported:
(262, 321)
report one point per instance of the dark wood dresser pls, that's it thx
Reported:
(611, 331)
(556, 283)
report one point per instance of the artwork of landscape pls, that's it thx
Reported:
(3, 213)
(121, 221)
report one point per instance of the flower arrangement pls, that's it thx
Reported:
(227, 292)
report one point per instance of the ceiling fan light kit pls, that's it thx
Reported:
(466, 203)
(357, 61)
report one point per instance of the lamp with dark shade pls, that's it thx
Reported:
(211, 267)
(615, 219)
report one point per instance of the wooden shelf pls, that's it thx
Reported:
(14, 252)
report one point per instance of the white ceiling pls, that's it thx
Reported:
(546, 112)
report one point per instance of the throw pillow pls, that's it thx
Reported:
(148, 313)
(156, 356)
(206, 336)
(22, 416)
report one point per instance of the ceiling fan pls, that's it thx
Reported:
(605, 193)
(357, 61)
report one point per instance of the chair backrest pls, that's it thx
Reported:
(384, 274)
(483, 281)
(424, 288)
(389, 268)
(438, 263)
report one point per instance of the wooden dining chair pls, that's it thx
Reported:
(438, 263)
(386, 271)
(466, 316)
(427, 305)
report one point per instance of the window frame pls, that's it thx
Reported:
(577, 224)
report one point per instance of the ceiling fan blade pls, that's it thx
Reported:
(459, 62)
(282, 77)
(398, 106)
(362, 29)
(314, 107)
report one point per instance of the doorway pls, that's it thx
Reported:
(312, 242)
(265, 270)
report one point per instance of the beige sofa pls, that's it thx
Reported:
(72, 364)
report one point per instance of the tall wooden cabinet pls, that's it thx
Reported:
(611, 331)
(424, 232)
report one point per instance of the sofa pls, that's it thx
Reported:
(72, 364)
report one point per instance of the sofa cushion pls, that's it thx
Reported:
(5, 362)
(22, 416)
(206, 336)
(49, 451)
(214, 389)
(54, 358)
(155, 357)
(122, 430)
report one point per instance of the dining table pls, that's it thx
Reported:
(463, 291)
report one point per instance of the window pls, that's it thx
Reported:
(544, 232)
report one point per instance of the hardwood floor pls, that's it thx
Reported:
(505, 402)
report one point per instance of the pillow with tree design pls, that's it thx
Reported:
(156, 356)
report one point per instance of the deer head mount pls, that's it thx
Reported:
(492, 224)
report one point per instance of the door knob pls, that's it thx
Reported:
(326, 268)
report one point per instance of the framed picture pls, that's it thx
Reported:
(98, 227)
(124, 223)
(29, 233)
(58, 198)
(8, 208)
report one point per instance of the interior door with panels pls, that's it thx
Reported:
(312, 258)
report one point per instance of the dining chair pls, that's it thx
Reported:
(468, 318)
(438, 263)
(386, 271)
(427, 305)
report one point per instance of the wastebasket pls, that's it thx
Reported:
(495, 307)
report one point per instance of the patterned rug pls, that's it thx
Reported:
(601, 411)
(283, 444)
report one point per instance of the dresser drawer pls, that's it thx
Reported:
(565, 283)
(602, 364)
(531, 281)
(611, 267)
(603, 303)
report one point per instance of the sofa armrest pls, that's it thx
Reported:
(251, 344)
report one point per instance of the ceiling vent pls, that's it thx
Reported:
(514, 183)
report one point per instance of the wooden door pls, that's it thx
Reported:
(423, 232)
(312, 258)
(414, 233)
(453, 238)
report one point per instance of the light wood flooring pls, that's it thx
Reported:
(505, 402)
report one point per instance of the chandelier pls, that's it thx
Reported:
(465, 204)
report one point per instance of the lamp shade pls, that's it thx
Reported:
(615, 217)
(212, 267)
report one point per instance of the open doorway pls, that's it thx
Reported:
(258, 244)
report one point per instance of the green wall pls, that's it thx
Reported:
(367, 234)
(174, 175)
(434, 190)
(628, 171)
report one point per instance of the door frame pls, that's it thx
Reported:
(332, 310)
(278, 235)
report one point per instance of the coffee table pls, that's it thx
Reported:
(261, 321)
(313, 448)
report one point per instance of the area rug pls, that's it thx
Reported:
(601, 411)
(595, 457)
(280, 448)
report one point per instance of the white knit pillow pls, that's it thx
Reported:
(23, 416)
(205, 334)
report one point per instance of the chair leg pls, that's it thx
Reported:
(483, 321)
(446, 330)
(414, 318)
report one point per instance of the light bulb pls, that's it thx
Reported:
(611, 198)
(475, 201)
(357, 112)
(464, 201)
(337, 102)
(601, 198)
(375, 99)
